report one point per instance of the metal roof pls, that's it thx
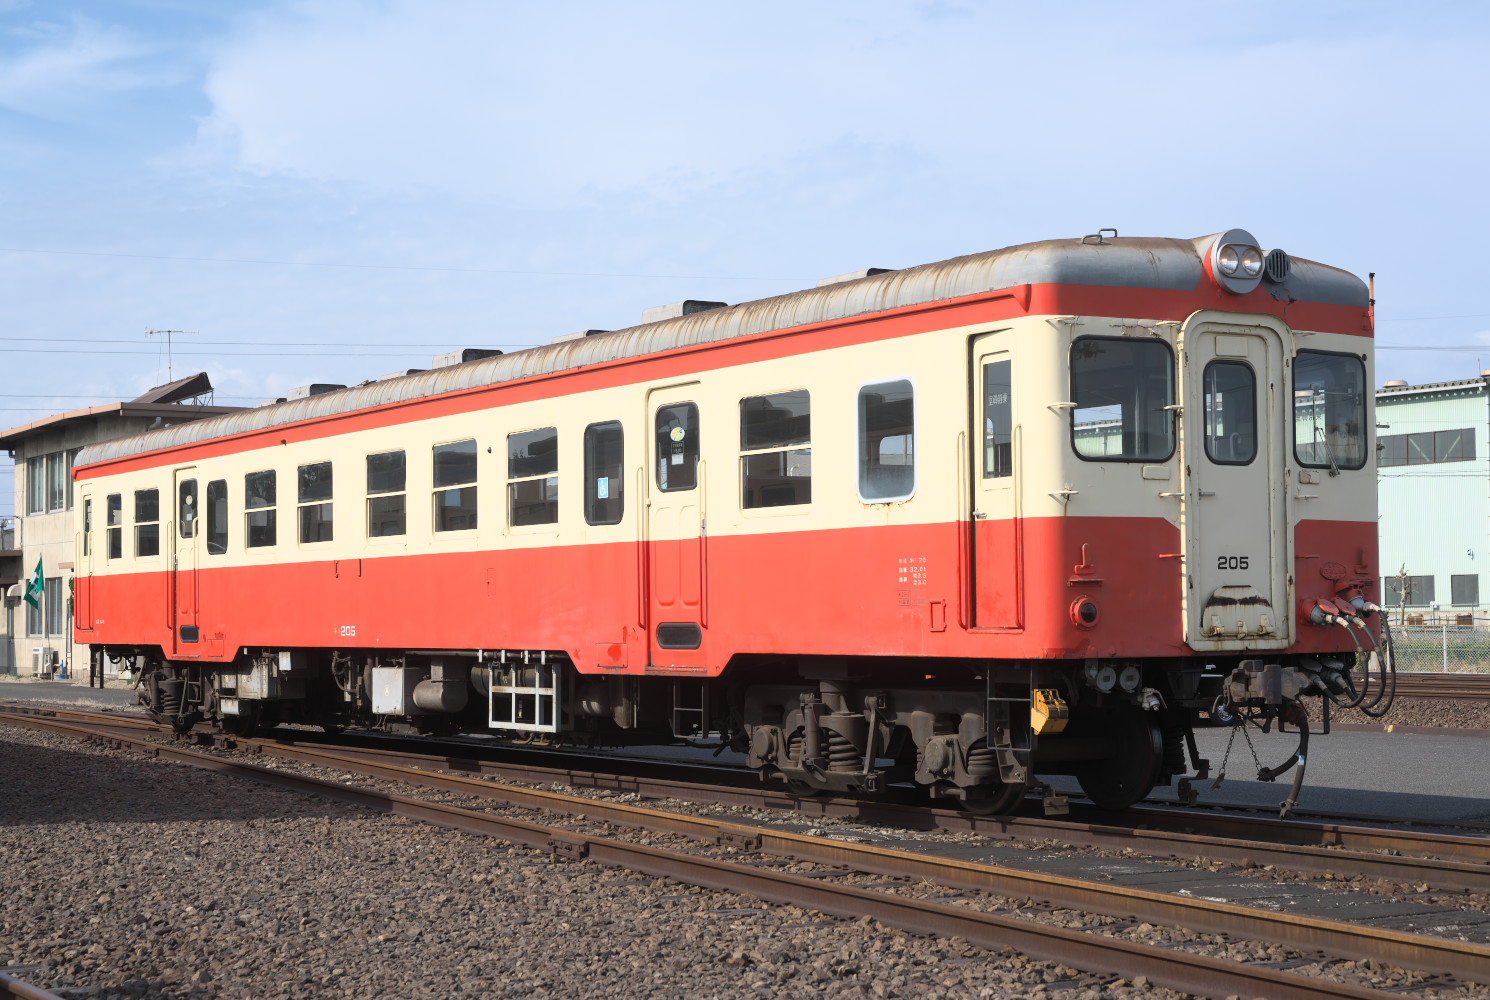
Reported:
(1141, 262)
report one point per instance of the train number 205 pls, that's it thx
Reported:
(1231, 562)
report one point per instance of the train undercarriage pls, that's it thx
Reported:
(981, 733)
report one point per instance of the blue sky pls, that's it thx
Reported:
(331, 191)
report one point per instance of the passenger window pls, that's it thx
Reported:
(315, 503)
(217, 517)
(259, 499)
(604, 455)
(1329, 410)
(1230, 413)
(455, 502)
(677, 447)
(147, 522)
(887, 441)
(386, 514)
(1123, 390)
(998, 420)
(114, 517)
(532, 477)
(186, 508)
(776, 460)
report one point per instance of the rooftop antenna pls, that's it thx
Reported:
(168, 334)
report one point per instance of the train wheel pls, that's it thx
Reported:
(1128, 774)
(244, 723)
(993, 800)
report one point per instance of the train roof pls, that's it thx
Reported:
(1131, 262)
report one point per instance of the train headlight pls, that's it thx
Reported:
(1228, 260)
(1235, 261)
(1251, 262)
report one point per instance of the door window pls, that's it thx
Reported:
(186, 508)
(677, 447)
(1230, 413)
(998, 420)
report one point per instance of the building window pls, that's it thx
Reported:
(1465, 588)
(887, 441)
(1329, 410)
(1412, 591)
(386, 507)
(259, 501)
(217, 517)
(36, 485)
(1230, 413)
(1123, 390)
(1426, 448)
(36, 619)
(604, 472)
(147, 523)
(56, 481)
(998, 420)
(455, 492)
(115, 526)
(776, 460)
(56, 605)
(315, 503)
(532, 474)
(72, 458)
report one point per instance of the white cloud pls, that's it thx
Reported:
(69, 66)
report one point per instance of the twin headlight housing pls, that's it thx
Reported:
(1237, 262)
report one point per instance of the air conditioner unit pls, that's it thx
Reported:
(40, 662)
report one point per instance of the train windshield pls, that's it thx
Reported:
(1329, 410)
(1124, 391)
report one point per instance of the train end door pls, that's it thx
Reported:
(1237, 545)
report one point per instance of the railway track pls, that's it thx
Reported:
(12, 988)
(1448, 686)
(1192, 973)
(1442, 860)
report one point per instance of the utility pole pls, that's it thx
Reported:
(168, 334)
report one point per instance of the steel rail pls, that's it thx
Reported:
(1444, 861)
(1092, 952)
(10, 986)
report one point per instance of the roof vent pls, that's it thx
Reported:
(564, 338)
(1276, 265)
(868, 272)
(462, 356)
(314, 389)
(400, 374)
(685, 308)
(269, 402)
(1395, 383)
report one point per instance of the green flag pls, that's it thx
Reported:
(36, 586)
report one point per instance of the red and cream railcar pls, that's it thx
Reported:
(1032, 510)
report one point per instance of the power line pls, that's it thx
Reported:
(396, 267)
(251, 343)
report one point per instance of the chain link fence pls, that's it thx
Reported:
(1456, 643)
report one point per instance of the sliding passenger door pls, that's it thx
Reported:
(82, 612)
(996, 538)
(674, 530)
(185, 546)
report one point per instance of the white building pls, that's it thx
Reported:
(38, 640)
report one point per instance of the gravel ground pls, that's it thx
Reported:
(1425, 712)
(315, 898)
(131, 878)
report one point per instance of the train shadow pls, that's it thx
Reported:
(53, 786)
